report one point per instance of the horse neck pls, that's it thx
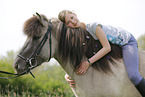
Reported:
(56, 33)
(66, 66)
(56, 29)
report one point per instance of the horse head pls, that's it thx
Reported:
(37, 48)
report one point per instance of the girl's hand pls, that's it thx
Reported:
(70, 81)
(83, 67)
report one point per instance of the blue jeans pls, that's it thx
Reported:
(131, 60)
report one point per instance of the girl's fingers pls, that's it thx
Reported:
(81, 72)
(72, 83)
(73, 86)
(78, 66)
(78, 70)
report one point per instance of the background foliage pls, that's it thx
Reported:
(141, 42)
(49, 81)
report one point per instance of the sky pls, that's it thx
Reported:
(127, 14)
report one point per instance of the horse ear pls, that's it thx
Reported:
(40, 18)
(38, 15)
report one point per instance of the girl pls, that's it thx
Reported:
(106, 34)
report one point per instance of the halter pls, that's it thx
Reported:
(33, 56)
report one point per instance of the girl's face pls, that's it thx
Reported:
(71, 20)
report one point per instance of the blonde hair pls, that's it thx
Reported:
(62, 14)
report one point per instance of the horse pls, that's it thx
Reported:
(44, 37)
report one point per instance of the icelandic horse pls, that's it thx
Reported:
(69, 46)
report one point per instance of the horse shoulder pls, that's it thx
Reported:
(97, 84)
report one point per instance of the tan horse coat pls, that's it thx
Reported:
(98, 84)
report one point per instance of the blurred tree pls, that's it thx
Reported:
(141, 42)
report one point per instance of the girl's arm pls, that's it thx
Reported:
(105, 45)
(103, 51)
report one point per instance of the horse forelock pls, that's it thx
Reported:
(75, 43)
(32, 27)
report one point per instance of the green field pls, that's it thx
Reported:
(49, 81)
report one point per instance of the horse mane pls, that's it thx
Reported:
(75, 43)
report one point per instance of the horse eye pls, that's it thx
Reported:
(36, 37)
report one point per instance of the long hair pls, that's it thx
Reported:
(75, 43)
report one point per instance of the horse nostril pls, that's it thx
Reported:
(16, 66)
(19, 70)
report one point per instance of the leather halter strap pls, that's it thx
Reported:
(34, 55)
